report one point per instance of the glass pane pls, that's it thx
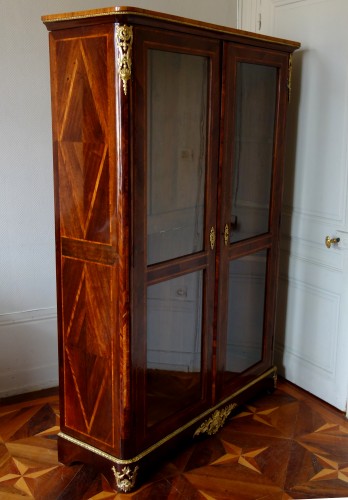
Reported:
(174, 338)
(246, 300)
(177, 129)
(253, 150)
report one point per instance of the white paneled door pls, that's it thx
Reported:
(312, 327)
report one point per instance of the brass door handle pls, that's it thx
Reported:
(331, 241)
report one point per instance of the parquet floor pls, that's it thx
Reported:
(280, 446)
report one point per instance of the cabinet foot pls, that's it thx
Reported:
(125, 477)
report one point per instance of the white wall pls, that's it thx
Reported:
(28, 348)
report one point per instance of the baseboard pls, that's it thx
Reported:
(30, 396)
(28, 353)
(33, 315)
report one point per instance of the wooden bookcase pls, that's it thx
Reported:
(168, 142)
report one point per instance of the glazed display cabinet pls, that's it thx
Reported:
(168, 144)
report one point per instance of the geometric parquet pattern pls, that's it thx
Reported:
(280, 446)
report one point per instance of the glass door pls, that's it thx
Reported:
(250, 201)
(174, 188)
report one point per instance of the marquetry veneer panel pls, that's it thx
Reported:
(83, 148)
(88, 333)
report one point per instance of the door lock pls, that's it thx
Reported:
(226, 234)
(212, 238)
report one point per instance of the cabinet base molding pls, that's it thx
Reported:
(125, 475)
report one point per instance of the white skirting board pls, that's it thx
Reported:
(28, 355)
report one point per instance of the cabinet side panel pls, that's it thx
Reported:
(88, 260)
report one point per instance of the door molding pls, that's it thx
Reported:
(256, 15)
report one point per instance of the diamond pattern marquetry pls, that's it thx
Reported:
(88, 348)
(83, 148)
(284, 446)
